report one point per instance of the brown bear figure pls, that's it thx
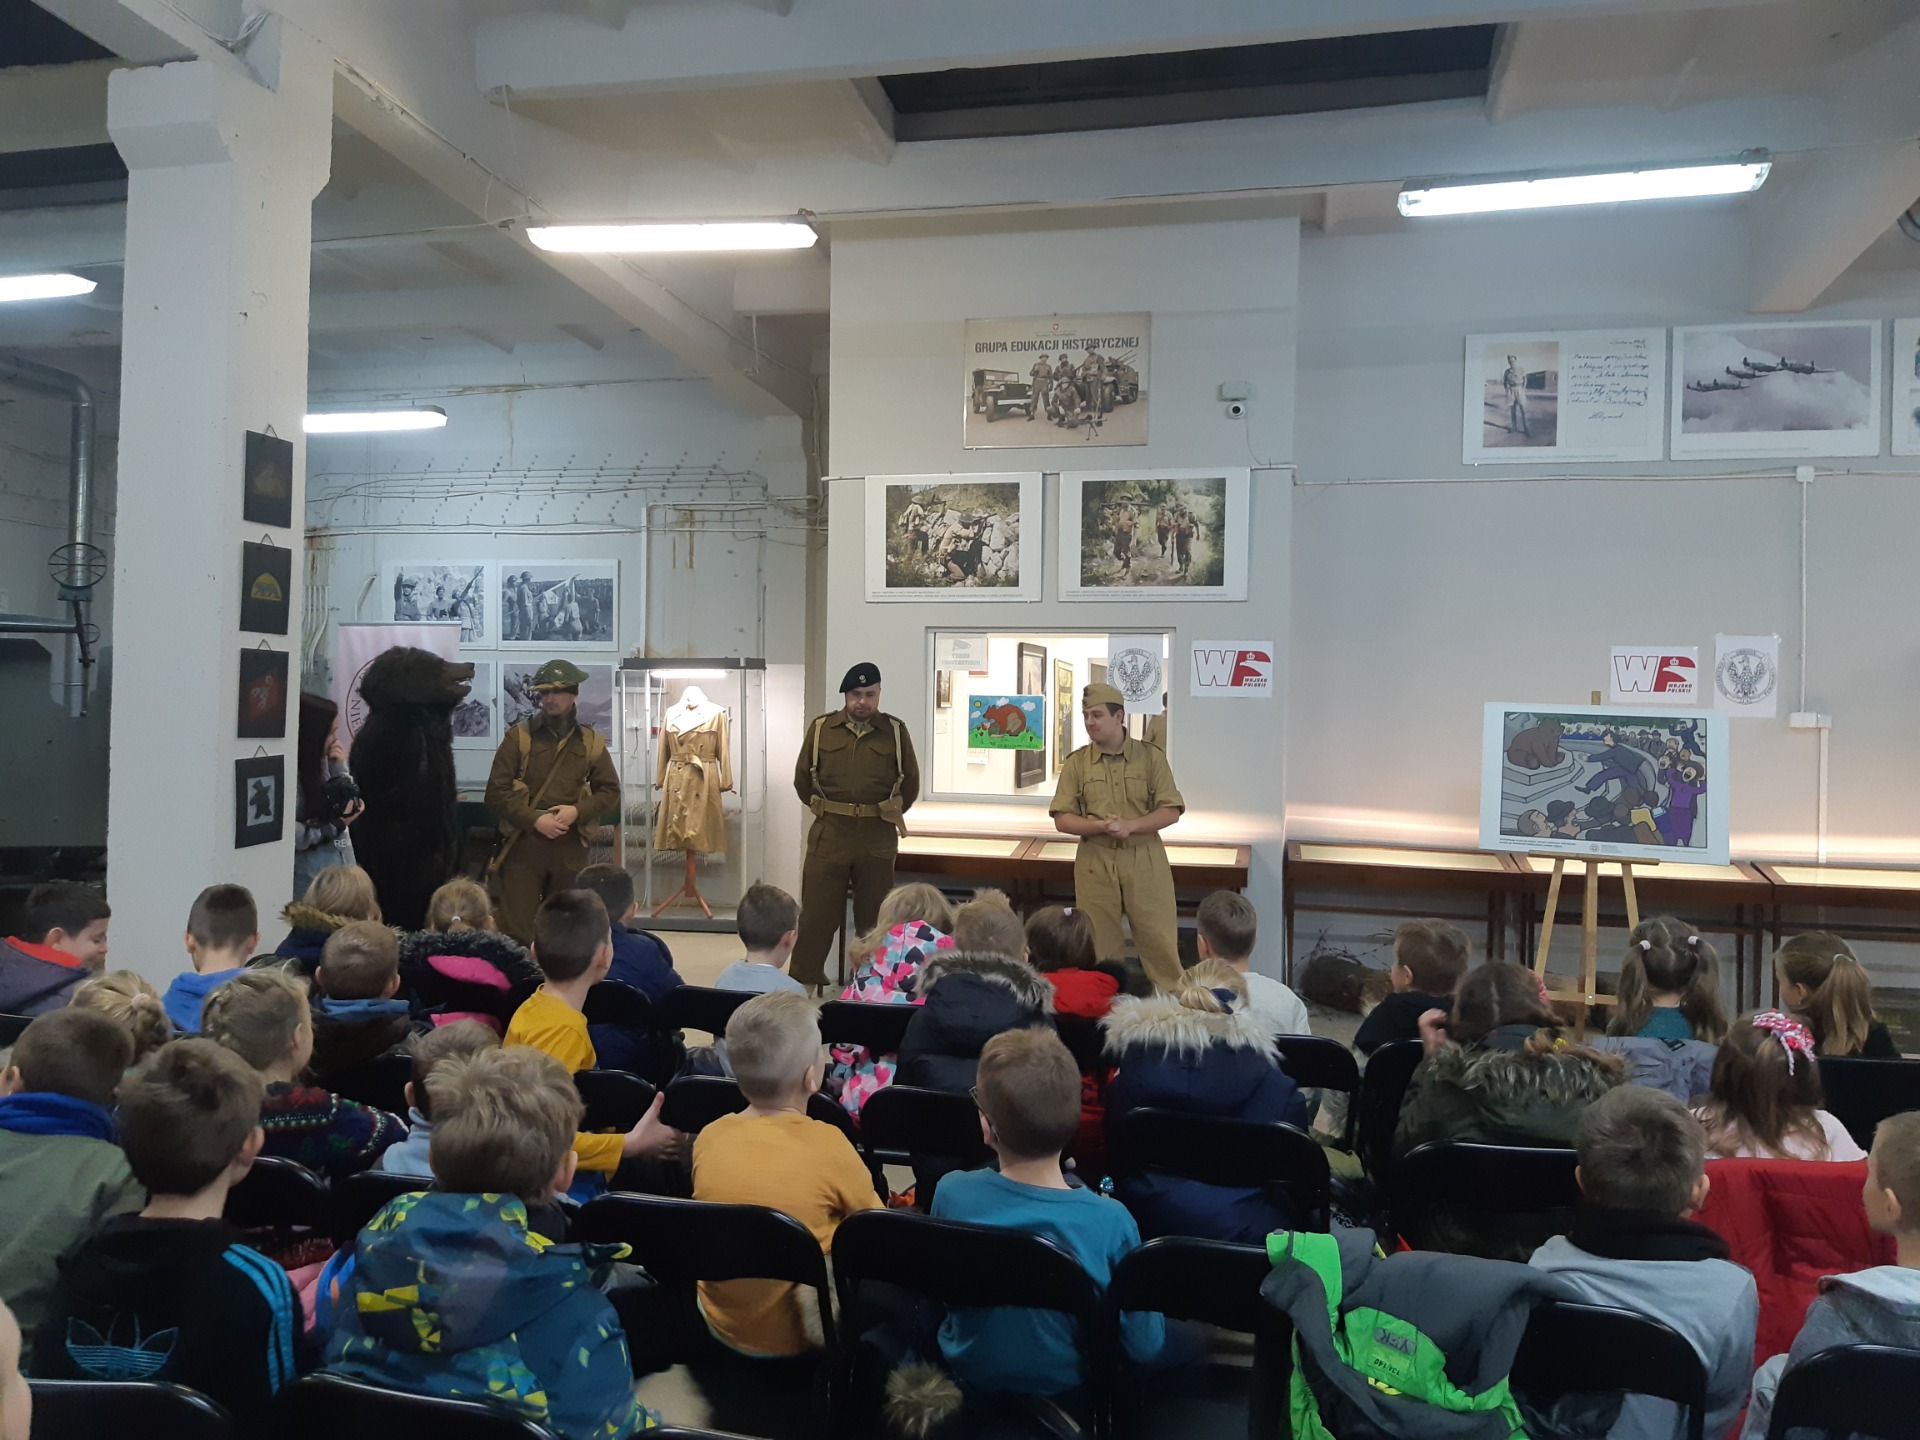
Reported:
(1536, 748)
(403, 763)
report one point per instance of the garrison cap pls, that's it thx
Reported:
(1099, 694)
(860, 677)
(558, 675)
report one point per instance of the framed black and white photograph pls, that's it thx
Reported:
(954, 537)
(1587, 395)
(267, 483)
(571, 606)
(1052, 380)
(594, 706)
(424, 590)
(259, 800)
(266, 581)
(1787, 388)
(263, 695)
(1906, 387)
(1154, 534)
(476, 719)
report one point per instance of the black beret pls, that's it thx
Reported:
(860, 677)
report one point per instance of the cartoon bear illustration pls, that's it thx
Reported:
(1538, 747)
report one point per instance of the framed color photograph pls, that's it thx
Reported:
(263, 695)
(1049, 380)
(267, 470)
(1788, 388)
(953, 537)
(476, 719)
(572, 606)
(1589, 395)
(266, 578)
(425, 590)
(259, 800)
(1154, 535)
(1607, 782)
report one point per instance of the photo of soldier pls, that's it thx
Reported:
(1187, 520)
(962, 534)
(1056, 380)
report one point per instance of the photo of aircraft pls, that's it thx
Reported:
(1708, 387)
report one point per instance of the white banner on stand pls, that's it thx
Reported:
(357, 646)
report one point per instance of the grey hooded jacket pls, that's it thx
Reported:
(1880, 1306)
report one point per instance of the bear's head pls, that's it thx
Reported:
(406, 676)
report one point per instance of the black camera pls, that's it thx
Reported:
(337, 794)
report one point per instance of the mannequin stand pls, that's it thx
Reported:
(689, 890)
(1588, 992)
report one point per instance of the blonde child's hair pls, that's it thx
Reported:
(128, 998)
(1665, 955)
(986, 925)
(904, 905)
(503, 1122)
(772, 1041)
(459, 905)
(1839, 1006)
(257, 1014)
(1197, 987)
(1763, 1097)
(344, 890)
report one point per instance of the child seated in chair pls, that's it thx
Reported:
(172, 1294)
(1029, 1099)
(1880, 1306)
(453, 1295)
(1642, 1171)
(773, 1154)
(464, 1037)
(356, 1017)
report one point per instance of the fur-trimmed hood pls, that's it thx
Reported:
(466, 973)
(1494, 1094)
(501, 951)
(1016, 976)
(305, 917)
(1161, 1021)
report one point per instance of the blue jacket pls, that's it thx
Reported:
(641, 959)
(188, 993)
(1175, 1058)
(452, 1295)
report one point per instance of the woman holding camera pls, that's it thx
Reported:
(325, 800)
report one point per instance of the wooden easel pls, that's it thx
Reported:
(689, 890)
(1588, 992)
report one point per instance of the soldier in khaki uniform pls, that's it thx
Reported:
(1117, 794)
(858, 774)
(551, 776)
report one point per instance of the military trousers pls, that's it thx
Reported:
(1132, 878)
(535, 868)
(844, 852)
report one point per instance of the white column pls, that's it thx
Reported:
(223, 170)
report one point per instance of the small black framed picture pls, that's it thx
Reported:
(268, 495)
(263, 695)
(259, 800)
(266, 576)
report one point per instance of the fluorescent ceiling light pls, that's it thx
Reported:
(1477, 197)
(690, 674)
(667, 239)
(370, 422)
(42, 287)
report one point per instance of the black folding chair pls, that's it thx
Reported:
(1376, 1108)
(1862, 1093)
(1213, 1283)
(1240, 1153)
(1083, 1039)
(356, 1199)
(1478, 1180)
(1313, 1062)
(1571, 1349)
(382, 1083)
(612, 1003)
(970, 1266)
(878, 1027)
(281, 1196)
(327, 1407)
(615, 1100)
(81, 1409)
(11, 1026)
(929, 1129)
(697, 1007)
(1850, 1390)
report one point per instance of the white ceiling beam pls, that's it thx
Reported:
(52, 107)
(466, 260)
(1820, 213)
(155, 32)
(1350, 207)
(705, 46)
(584, 334)
(773, 285)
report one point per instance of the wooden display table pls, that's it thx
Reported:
(1038, 869)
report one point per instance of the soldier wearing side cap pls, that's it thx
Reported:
(1117, 794)
(858, 775)
(551, 776)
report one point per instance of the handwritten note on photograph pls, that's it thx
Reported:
(1576, 395)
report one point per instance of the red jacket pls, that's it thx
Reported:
(1087, 993)
(1792, 1223)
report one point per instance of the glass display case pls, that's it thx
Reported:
(1003, 729)
(693, 780)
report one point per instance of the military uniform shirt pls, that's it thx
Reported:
(1133, 782)
(856, 763)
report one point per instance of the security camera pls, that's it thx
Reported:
(1237, 409)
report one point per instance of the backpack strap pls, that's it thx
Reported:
(813, 766)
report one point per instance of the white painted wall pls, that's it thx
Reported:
(1416, 602)
(1222, 296)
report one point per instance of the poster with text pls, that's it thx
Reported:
(1746, 676)
(1051, 380)
(1577, 395)
(1654, 675)
(1607, 782)
(1232, 669)
(1788, 388)
(1906, 387)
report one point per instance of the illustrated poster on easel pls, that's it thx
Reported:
(1605, 781)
